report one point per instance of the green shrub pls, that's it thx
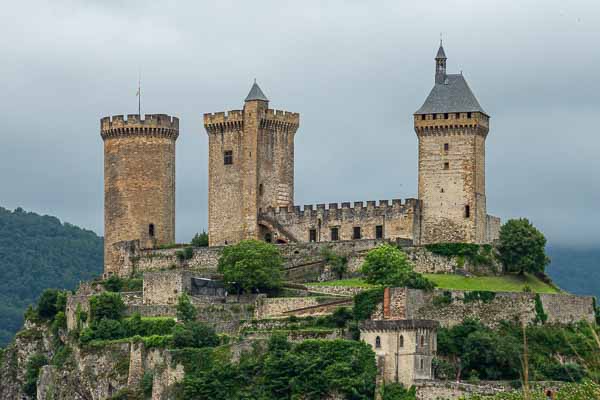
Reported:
(194, 334)
(32, 371)
(479, 295)
(106, 305)
(443, 300)
(147, 381)
(186, 311)
(51, 301)
(200, 240)
(338, 264)
(251, 266)
(61, 355)
(136, 325)
(396, 391)
(366, 302)
(522, 247)
(185, 254)
(540, 315)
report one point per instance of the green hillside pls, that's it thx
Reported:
(576, 269)
(39, 252)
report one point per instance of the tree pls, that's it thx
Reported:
(185, 309)
(200, 239)
(251, 266)
(522, 247)
(194, 334)
(388, 265)
(51, 301)
(106, 305)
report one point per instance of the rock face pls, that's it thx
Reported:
(86, 373)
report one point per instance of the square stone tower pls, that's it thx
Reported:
(251, 167)
(452, 127)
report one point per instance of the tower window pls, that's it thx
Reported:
(423, 117)
(379, 232)
(446, 146)
(377, 342)
(356, 232)
(422, 364)
(401, 341)
(312, 235)
(468, 115)
(446, 165)
(151, 230)
(261, 189)
(335, 233)
(467, 211)
(422, 340)
(446, 116)
(228, 157)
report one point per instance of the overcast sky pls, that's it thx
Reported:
(354, 70)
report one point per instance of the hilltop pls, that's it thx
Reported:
(39, 252)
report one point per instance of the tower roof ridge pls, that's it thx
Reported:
(441, 53)
(256, 93)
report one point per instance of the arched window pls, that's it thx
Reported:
(401, 341)
(151, 230)
(377, 342)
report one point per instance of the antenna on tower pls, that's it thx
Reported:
(139, 93)
(440, 38)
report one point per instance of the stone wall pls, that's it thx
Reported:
(283, 306)
(492, 228)
(335, 290)
(165, 287)
(426, 262)
(505, 306)
(395, 219)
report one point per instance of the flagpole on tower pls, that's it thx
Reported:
(139, 94)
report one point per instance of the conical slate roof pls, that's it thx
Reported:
(256, 93)
(453, 95)
(440, 53)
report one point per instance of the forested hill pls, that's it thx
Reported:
(577, 270)
(39, 252)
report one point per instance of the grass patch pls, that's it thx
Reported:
(504, 283)
(354, 282)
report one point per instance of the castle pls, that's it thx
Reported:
(251, 178)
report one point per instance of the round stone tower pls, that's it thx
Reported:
(139, 183)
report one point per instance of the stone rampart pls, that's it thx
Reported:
(452, 307)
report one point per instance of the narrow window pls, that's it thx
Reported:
(401, 341)
(421, 363)
(467, 211)
(457, 115)
(379, 232)
(422, 340)
(228, 157)
(446, 116)
(335, 233)
(446, 165)
(442, 190)
(260, 189)
(356, 232)
(423, 117)
(312, 235)
(151, 230)
(446, 146)
(377, 342)
(468, 115)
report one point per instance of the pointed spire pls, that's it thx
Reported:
(440, 54)
(256, 93)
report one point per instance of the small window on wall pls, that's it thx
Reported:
(228, 157)
(151, 230)
(379, 232)
(377, 342)
(401, 341)
(467, 211)
(312, 235)
(422, 366)
(356, 232)
(335, 233)
(446, 146)
(261, 189)
(422, 340)
(446, 165)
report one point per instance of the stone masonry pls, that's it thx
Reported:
(139, 182)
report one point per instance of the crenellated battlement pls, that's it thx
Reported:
(279, 119)
(357, 208)
(451, 123)
(152, 125)
(232, 120)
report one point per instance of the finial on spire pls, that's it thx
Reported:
(440, 39)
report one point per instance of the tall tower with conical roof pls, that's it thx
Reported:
(452, 128)
(251, 167)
